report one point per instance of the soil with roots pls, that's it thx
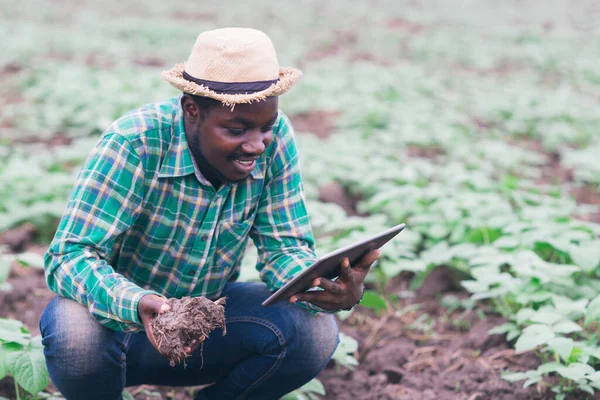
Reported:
(189, 322)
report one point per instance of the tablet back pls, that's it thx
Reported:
(328, 266)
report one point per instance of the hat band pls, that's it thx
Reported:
(234, 87)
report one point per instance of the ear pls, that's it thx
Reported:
(190, 109)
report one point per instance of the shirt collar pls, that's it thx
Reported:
(179, 160)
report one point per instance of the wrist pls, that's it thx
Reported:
(357, 303)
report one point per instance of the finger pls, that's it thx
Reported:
(345, 271)
(164, 307)
(150, 333)
(366, 261)
(328, 285)
(316, 297)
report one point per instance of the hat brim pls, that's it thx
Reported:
(287, 78)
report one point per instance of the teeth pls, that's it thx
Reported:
(245, 162)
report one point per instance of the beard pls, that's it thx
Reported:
(209, 171)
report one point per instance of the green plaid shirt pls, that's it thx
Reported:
(142, 219)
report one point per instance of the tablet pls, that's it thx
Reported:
(328, 266)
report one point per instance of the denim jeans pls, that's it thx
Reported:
(266, 353)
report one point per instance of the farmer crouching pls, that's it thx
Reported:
(163, 208)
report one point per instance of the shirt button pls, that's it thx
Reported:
(191, 272)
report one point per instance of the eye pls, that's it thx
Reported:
(236, 132)
(267, 129)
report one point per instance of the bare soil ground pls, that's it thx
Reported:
(320, 123)
(428, 353)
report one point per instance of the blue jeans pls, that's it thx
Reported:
(267, 352)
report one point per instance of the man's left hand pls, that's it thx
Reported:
(344, 292)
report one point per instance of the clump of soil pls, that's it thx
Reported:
(189, 322)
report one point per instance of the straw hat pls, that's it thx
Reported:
(232, 65)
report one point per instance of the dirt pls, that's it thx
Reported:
(441, 280)
(424, 152)
(29, 295)
(51, 142)
(442, 360)
(150, 61)
(318, 122)
(189, 322)
(342, 41)
(399, 23)
(18, 238)
(555, 173)
(333, 192)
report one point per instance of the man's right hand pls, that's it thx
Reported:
(150, 306)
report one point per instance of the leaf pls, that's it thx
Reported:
(568, 307)
(514, 377)
(532, 381)
(3, 366)
(538, 328)
(530, 340)
(562, 346)
(313, 387)
(575, 371)
(566, 327)
(31, 260)
(595, 377)
(512, 335)
(13, 331)
(500, 329)
(586, 388)
(127, 396)
(524, 314)
(342, 315)
(595, 384)
(475, 286)
(546, 317)
(4, 268)
(373, 301)
(549, 367)
(344, 353)
(506, 242)
(28, 368)
(586, 255)
(592, 312)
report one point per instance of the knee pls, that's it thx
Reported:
(314, 341)
(73, 341)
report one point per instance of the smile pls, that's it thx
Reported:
(245, 166)
(245, 162)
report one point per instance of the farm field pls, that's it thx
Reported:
(476, 123)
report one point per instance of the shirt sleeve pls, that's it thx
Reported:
(281, 229)
(107, 198)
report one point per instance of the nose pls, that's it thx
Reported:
(257, 142)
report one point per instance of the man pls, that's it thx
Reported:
(163, 207)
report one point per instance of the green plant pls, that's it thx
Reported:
(21, 357)
(311, 391)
